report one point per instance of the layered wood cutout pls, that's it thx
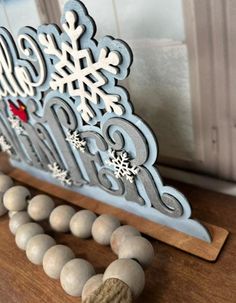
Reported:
(80, 130)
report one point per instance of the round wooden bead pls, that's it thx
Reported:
(11, 213)
(18, 220)
(91, 285)
(120, 234)
(81, 223)
(37, 247)
(137, 248)
(74, 275)
(103, 228)
(5, 183)
(3, 209)
(60, 218)
(16, 197)
(25, 232)
(40, 207)
(55, 258)
(128, 271)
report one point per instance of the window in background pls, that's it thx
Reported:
(15, 14)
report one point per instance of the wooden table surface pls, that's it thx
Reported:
(174, 277)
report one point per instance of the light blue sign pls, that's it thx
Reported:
(65, 119)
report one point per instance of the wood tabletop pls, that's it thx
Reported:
(174, 276)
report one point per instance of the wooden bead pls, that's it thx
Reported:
(74, 275)
(16, 198)
(18, 220)
(25, 232)
(103, 228)
(55, 258)
(37, 247)
(81, 223)
(137, 248)
(60, 218)
(5, 183)
(128, 271)
(120, 234)
(11, 213)
(3, 209)
(40, 207)
(91, 285)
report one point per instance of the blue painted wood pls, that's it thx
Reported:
(68, 83)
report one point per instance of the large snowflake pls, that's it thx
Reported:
(76, 71)
(122, 165)
(60, 174)
(5, 146)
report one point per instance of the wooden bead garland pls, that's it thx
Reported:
(16, 204)
(128, 271)
(17, 220)
(60, 218)
(11, 213)
(3, 209)
(91, 285)
(5, 183)
(81, 223)
(25, 232)
(120, 234)
(55, 258)
(77, 276)
(137, 248)
(40, 207)
(74, 275)
(103, 227)
(37, 246)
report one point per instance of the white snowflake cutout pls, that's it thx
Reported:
(5, 146)
(122, 165)
(16, 124)
(60, 174)
(75, 140)
(77, 73)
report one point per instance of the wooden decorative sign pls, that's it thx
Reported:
(65, 119)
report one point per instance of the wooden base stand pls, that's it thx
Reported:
(165, 234)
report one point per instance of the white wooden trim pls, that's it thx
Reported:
(50, 10)
(198, 180)
(191, 41)
(231, 44)
(199, 42)
(211, 41)
(220, 88)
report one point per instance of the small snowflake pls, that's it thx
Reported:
(78, 73)
(5, 146)
(75, 140)
(122, 166)
(60, 174)
(16, 124)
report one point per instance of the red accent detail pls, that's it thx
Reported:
(20, 112)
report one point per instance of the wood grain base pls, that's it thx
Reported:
(165, 234)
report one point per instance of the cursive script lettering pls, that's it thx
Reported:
(18, 79)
